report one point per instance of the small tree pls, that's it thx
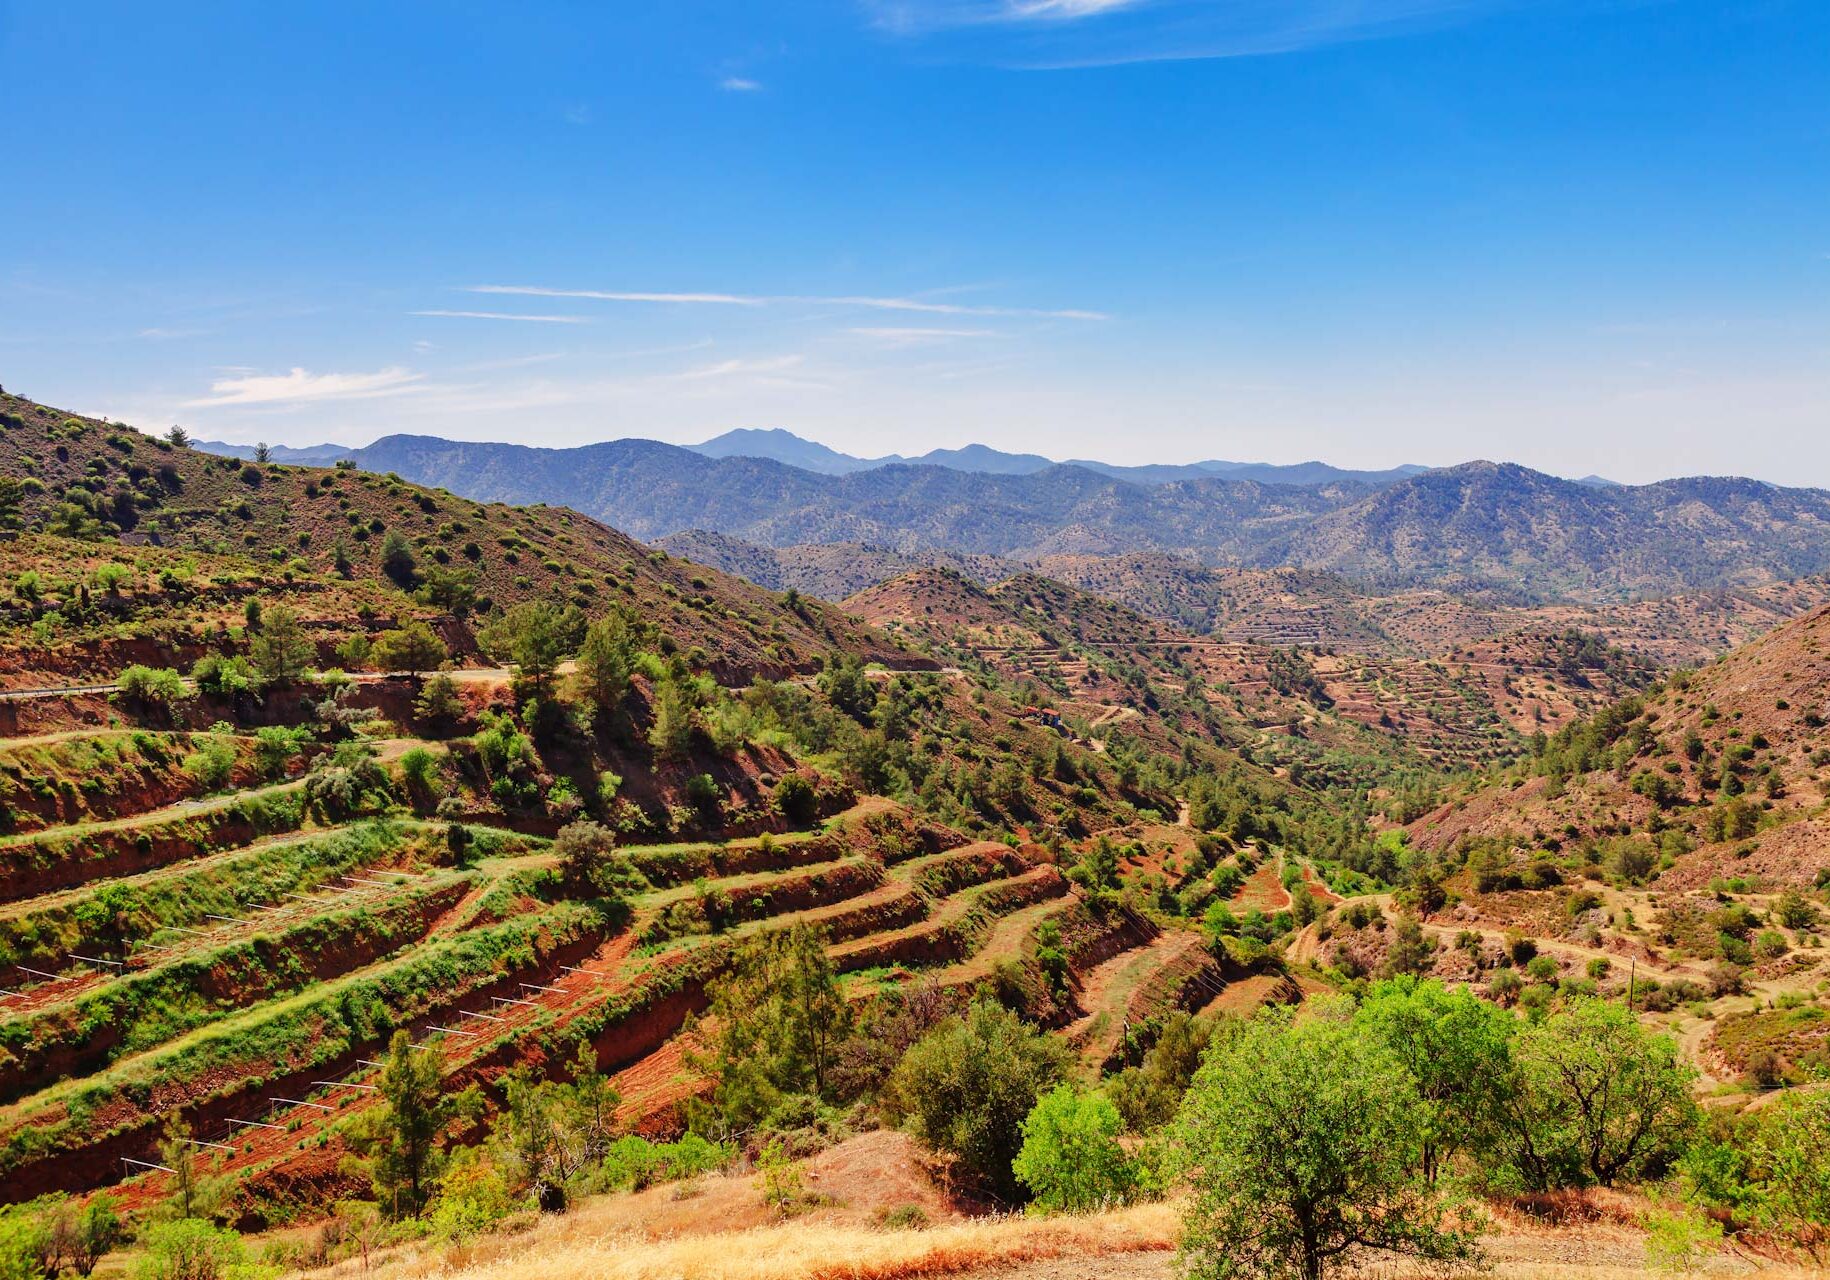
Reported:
(1070, 1159)
(152, 687)
(552, 1131)
(409, 1156)
(453, 590)
(1595, 1097)
(282, 651)
(587, 851)
(412, 648)
(1457, 1051)
(80, 1238)
(1303, 1137)
(780, 1016)
(967, 1087)
(536, 636)
(178, 437)
(438, 703)
(177, 1153)
(397, 559)
(606, 660)
(12, 499)
(1791, 1144)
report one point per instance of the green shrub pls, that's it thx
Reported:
(967, 1087)
(212, 763)
(152, 686)
(192, 1249)
(1071, 1160)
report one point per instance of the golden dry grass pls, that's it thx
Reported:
(578, 1247)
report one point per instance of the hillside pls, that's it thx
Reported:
(1719, 773)
(1478, 527)
(1341, 716)
(81, 476)
(830, 571)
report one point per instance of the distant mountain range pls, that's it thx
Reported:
(778, 445)
(1478, 526)
(809, 455)
(311, 455)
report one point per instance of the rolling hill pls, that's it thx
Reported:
(82, 476)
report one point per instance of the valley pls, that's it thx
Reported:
(315, 782)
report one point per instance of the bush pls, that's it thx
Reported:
(587, 850)
(212, 763)
(1070, 1160)
(1679, 1241)
(795, 800)
(152, 687)
(967, 1087)
(634, 1163)
(190, 1249)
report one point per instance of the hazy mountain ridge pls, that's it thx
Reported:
(1477, 527)
(784, 446)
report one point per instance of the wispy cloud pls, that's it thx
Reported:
(1045, 34)
(299, 386)
(505, 315)
(156, 334)
(739, 84)
(599, 295)
(921, 305)
(741, 368)
(916, 336)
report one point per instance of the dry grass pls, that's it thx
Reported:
(578, 1248)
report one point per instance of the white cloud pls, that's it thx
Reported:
(505, 315)
(739, 84)
(299, 386)
(921, 305)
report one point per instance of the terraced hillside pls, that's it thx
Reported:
(225, 884)
(1094, 659)
(247, 978)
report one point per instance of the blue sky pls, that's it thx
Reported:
(1586, 235)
